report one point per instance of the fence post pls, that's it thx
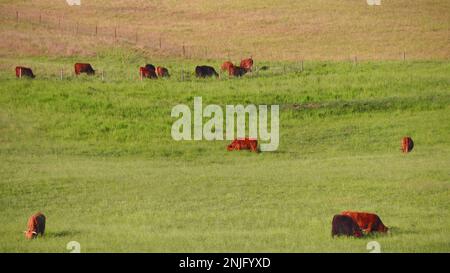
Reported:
(404, 55)
(115, 33)
(355, 60)
(61, 73)
(184, 51)
(20, 73)
(160, 44)
(140, 74)
(59, 23)
(96, 30)
(136, 37)
(40, 18)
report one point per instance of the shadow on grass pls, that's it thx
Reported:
(61, 234)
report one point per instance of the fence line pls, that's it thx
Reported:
(108, 33)
(114, 34)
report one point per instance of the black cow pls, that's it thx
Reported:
(204, 71)
(150, 67)
(345, 225)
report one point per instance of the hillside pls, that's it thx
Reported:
(98, 159)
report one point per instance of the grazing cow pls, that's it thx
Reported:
(162, 72)
(204, 71)
(368, 222)
(407, 144)
(247, 64)
(24, 72)
(150, 67)
(144, 72)
(84, 68)
(226, 66)
(244, 144)
(344, 225)
(236, 71)
(36, 226)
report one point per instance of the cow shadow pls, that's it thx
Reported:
(61, 234)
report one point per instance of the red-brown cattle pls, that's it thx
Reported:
(162, 72)
(247, 64)
(84, 68)
(226, 66)
(345, 225)
(24, 72)
(407, 144)
(244, 144)
(35, 226)
(144, 72)
(369, 222)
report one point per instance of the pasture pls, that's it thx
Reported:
(98, 159)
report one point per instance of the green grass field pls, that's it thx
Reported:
(98, 158)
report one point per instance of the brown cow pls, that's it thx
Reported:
(36, 226)
(244, 144)
(144, 72)
(84, 68)
(24, 72)
(369, 222)
(407, 144)
(247, 64)
(345, 225)
(162, 72)
(226, 66)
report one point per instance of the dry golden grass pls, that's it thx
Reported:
(268, 30)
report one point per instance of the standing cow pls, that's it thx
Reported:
(369, 222)
(345, 225)
(226, 66)
(84, 68)
(407, 144)
(145, 72)
(162, 72)
(244, 144)
(236, 71)
(247, 64)
(204, 71)
(35, 226)
(24, 72)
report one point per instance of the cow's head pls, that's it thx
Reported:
(357, 233)
(30, 234)
(383, 228)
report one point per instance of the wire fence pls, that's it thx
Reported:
(106, 33)
(113, 34)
